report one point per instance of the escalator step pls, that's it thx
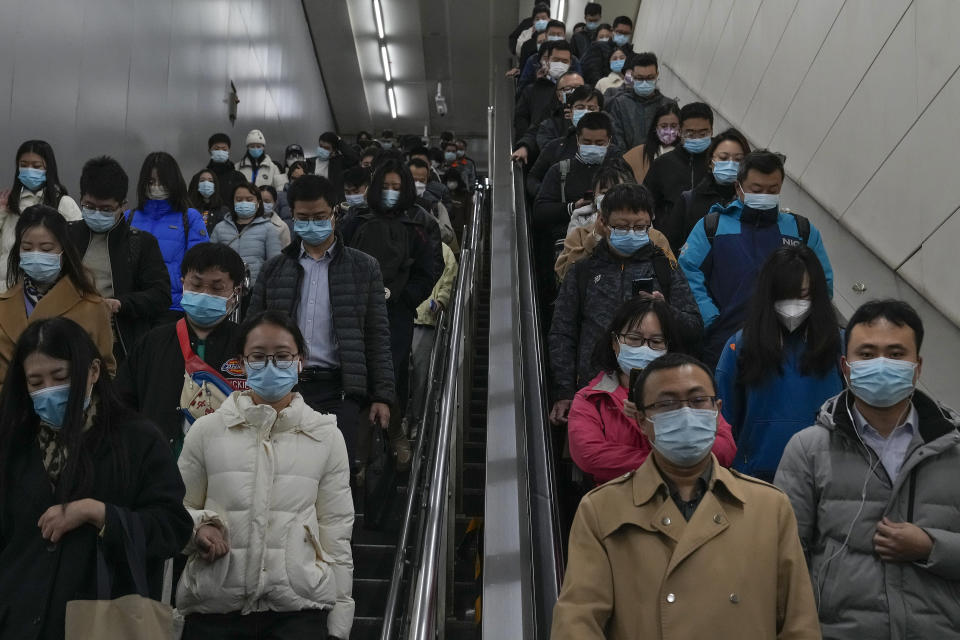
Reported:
(474, 474)
(370, 595)
(373, 560)
(474, 452)
(473, 501)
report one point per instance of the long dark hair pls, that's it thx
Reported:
(62, 339)
(52, 190)
(761, 347)
(408, 191)
(169, 175)
(40, 215)
(196, 200)
(652, 144)
(249, 186)
(630, 314)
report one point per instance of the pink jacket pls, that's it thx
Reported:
(606, 444)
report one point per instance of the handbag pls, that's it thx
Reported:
(127, 617)
(380, 501)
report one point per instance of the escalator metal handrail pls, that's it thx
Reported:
(544, 511)
(429, 581)
(423, 449)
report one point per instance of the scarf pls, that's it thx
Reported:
(53, 450)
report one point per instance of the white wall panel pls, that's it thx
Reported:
(924, 269)
(706, 45)
(127, 77)
(728, 50)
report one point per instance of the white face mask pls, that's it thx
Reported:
(158, 193)
(793, 312)
(421, 187)
(557, 69)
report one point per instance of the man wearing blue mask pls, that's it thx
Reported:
(726, 249)
(227, 176)
(874, 486)
(669, 177)
(126, 263)
(592, 17)
(151, 380)
(633, 111)
(336, 295)
(332, 159)
(596, 60)
(682, 547)
(625, 263)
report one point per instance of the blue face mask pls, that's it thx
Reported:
(386, 144)
(631, 358)
(203, 309)
(449, 156)
(323, 154)
(592, 26)
(313, 232)
(577, 114)
(620, 39)
(617, 65)
(40, 266)
(98, 221)
(220, 155)
(206, 188)
(554, 38)
(592, 153)
(761, 201)
(353, 199)
(461, 153)
(51, 405)
(390, 198)
(697, 145)
(272, 383)
(245, 210)
(644, 88)
(628, 242)
(255, 152)
(268, 208)
(540, 25)
(32, 179)
(725, 171)
(684, 436)
(882, 382)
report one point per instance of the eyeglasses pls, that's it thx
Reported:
(319, 217)
(282, 360)
(109, 210)
(639, 228)
(696, 402)
(699, 133)
(657, 343)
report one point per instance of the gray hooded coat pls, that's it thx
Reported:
(829, 475)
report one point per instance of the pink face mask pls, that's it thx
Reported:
(667, 135)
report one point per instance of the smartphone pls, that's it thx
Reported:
(634, 376)
(642, 284)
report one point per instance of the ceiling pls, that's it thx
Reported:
(457, 43)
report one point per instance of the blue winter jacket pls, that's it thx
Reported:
(722, 275)
(765, 417)
(166, 225)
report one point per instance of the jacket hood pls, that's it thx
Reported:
(935, 419)
(604, 384)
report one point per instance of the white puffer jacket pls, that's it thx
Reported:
(279, 487)
(267, 171)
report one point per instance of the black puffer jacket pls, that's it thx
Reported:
(359, 314)
(591, 293)
(669, 176)
(687, 213)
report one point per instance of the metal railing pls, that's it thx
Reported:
(429, 581)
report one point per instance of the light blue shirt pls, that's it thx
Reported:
(892, 450)
(315, 314)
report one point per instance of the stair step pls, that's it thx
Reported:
(366, 628)
(370, 595)
(473, 501)
(373, 560)
(474, 474)
(461, 629)
(474, 452)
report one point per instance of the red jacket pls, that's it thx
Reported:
(606, 444)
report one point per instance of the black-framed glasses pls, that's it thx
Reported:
(281, 360)
(638, 228)
(696, 402)
(107, 210)
(657, 343)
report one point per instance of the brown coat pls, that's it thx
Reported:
(581, 242)
(63, 300)
(637, 569)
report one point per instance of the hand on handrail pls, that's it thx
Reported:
(520, 155)
(558, 415)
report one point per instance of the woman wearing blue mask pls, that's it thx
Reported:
(774, 375)
(205, 197)
(724, 154)
(278, 212)
(46, 279)
(267, 477)
(614, 80)
(164, 211)
(604, 441)
(248, 230)
(405, 240)
(257, 166)
(35, 181)
(81, 474)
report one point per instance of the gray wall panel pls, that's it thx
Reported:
(126, 77)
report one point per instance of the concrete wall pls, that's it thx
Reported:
(860, 95)
(126, 77)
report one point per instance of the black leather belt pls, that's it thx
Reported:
(319, 374)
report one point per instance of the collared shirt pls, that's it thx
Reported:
(688, 507)
(891, 450)
(315, 315)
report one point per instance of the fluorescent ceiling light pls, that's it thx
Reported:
(378, 15)
(385, 58)
(393, 102)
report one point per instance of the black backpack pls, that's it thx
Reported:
(712, 221)
(387, 238)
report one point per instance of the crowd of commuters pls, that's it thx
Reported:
(696, 356)
(195, 373)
